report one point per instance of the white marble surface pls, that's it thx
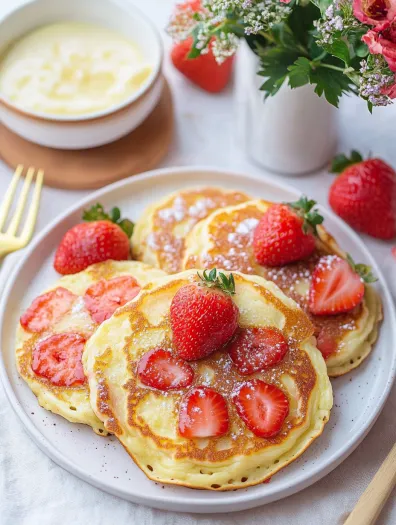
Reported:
(34, 491)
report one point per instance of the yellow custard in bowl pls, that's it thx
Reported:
(72, 69)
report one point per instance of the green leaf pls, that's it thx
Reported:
(301, 22)
(128, 226)
(304, 208)
(215, 279)
(330, 83)
(115, 214)
(195, 51)
(322, 4)
(299, 72)
(340, 49)
(274, 62)
(361, 50)
(363, 270)
(97, 213)
(341, 161)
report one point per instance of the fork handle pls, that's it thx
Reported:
(373, 499)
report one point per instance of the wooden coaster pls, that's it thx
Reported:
(139, 151)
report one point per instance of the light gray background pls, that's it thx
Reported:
(35, 491)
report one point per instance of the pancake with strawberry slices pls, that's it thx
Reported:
(158, 237)
(346, 331)
(209, 381)
(53, 331)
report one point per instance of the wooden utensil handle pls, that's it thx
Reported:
(374, 497)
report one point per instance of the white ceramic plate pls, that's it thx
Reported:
(359, 396)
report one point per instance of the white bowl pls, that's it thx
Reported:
(94, 129)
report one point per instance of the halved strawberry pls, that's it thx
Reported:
(254, 349)
(337, 285)
(262, 407)
(58, 358)
(47, 309)
(104, 297)
(159, 369)
(203, 413)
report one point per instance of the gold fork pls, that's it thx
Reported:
(10, 241)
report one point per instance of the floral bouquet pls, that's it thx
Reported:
(339, 46)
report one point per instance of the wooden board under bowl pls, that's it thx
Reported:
(141, 150)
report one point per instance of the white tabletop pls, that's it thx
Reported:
(35, 491)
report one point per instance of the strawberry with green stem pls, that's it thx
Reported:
(203, 316)
(102, 237)
(364, 194)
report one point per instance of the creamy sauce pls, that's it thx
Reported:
(71, 69)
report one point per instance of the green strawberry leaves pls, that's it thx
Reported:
(363, 270)
(341, 162)
(304, 208)
(97, 213)
(215, 279)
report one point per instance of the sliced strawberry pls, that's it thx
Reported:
(326, 343)
(335, 287)
(58, 358)
(255, 349)
(104, 297)
(262, 407)
(47, 309)
(203, 413)
(159, 369)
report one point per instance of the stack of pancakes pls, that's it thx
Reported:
(186, 232)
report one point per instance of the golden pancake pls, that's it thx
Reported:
(62, 315)
(145, 420)
(224, 240)
(158, 237)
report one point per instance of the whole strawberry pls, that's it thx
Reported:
(286, 233)
(103, 237)
(203, 316)
(364, 195)
(202, 70)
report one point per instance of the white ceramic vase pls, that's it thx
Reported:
(291, 133)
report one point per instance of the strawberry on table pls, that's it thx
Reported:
(47, 309)
(104, 297)
(58, 358)
(262, 407)
(255, 349)
(203, 70)
(159, 369)
(203, 413)
(364, 195)
(286, 233)
(203, 316)
(101, 238)
(337, 285)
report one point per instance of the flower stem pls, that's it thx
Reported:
(328, 66)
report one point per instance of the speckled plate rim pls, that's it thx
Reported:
(215, 501)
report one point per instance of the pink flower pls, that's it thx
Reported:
(377, 13)
(285, 1)
(383, 44)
